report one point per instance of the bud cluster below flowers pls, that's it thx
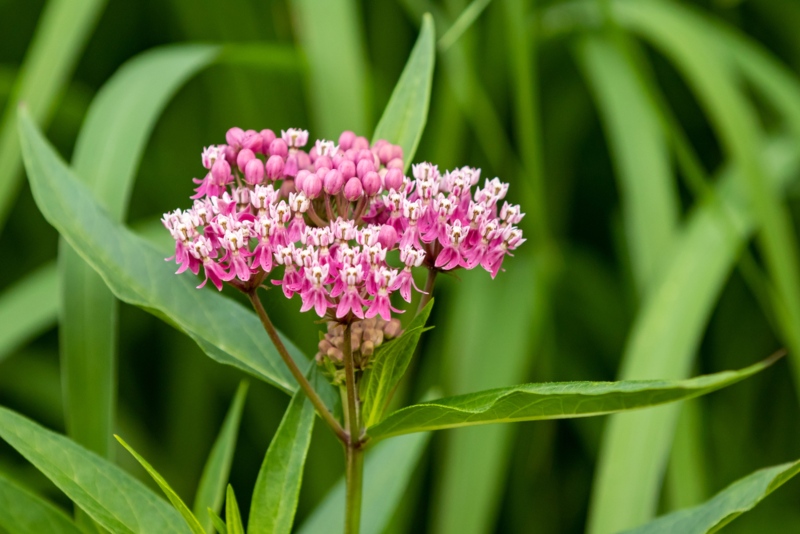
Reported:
(330, 215)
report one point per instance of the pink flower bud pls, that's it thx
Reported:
(363, 167)
(323, 162)
(387, 237)
(347, 168)
(353, 190)
(278, 147)
(334, 181)
(360, 143)
(397, 152)
(393, 179)
(395, 163)
(346, 140)
(300, 178)
(275, 166)
(303, 161)
(254, 172)
(290, 168)
(311, 186)
(365, 155)
(253, 141)
(287, 188)
(234, 137)
(230, 155)
(221, 172)
(385, 153)
(244, 157)
(267, 137)
(351, 154)
(372, 183)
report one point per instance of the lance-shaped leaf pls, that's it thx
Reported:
(278, 485)
(173, 497)
(108, 494)
(405, 115)
(211, 492)
(136, 273)
(725, 506)
(233, 519)
(22, 512)
(217, 521)
(390, 363)
(557, 400)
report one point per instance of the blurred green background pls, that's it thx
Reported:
(646, 141)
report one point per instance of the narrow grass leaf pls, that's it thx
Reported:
(216, 520)
(738, 498)
(108, 494)
(137, 274)
(61, 35)
(23, 512)
(277, 488)
(405, 115)
(557, 400)
(28, 308)
(233, 519)
(387, 471)
(462, 24)
(389, 365)
(173, 497)
(211, 491)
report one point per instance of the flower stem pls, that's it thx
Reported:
(305, 385)
(428, 295)
(350, 382)
(354, 475)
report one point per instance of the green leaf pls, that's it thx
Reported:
(61, 35)
(387, 471)
(406, 113)
(233, 519)
(557, 400)
(389, 365)
(28, 308)
(211, 492)
(277, 488)
(217, 521)
(108, 494)
(22, 512)
(173, 497)
(462, 24)
(332, 39)
(738, 498)
(137, 273)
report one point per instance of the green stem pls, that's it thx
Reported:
(350, 382)
(305, 385)
(354, 476)
(428, 295)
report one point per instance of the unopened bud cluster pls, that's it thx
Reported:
(330, 215)
(365, 337)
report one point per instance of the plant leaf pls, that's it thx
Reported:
(108, 494)
(389, 365)
(738, 498)
(173, 497)
(217, 521)
(22, 512)
(233, 519)
(405, 115)
(211, 491)
(28, 308)
(557, 400)
(136, 273)
(387, 470)
(277, 488)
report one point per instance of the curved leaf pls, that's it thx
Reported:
(405, 115)
(738, 498)
(173, 497)
(22, 512)
(557, 400)
(108, 494)
(278, 485)
(136, 273)
(211, 492)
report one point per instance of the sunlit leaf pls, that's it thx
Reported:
(22, 512)
(233, 519)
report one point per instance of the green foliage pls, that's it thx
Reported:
(531, 402)
(22, 512)
(233, 519)
(27, 309)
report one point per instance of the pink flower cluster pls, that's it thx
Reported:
(330, 216)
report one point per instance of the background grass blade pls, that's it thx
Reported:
(277, 488)
(387, 470)
(331, 37)
(28, 308)
(110, 496)
(405, 115)
(62, 33)
(461, 24)
(738, 498)
(233, 519)
(211, 490)
(535, 402)
(22, 512)
(173, 497)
